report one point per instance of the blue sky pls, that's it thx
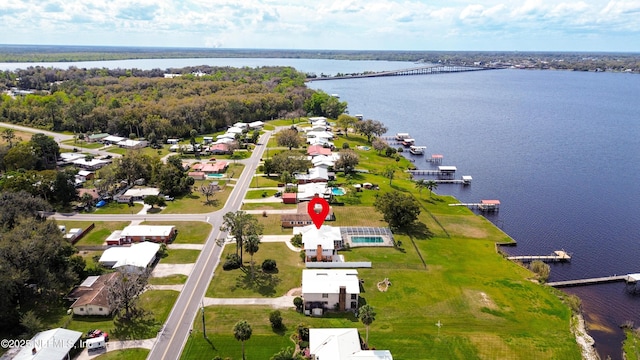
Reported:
(530, 25)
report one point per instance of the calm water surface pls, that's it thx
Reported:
(561, 150)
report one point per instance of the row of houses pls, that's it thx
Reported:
(122, 142)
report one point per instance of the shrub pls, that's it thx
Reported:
(303, 256)
(541, 269)
(232, 262)
(275, 318)
(296, 240)
(303, 332)
(269, 265)
(400, 150)
(298, 302)
(345, 145)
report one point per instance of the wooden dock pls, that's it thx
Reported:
(558, 255)
(591, 281)
(483, 205)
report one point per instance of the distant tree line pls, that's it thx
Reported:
(142, 102)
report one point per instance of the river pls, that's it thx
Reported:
(559, 149)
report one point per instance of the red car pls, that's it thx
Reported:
(96, 333)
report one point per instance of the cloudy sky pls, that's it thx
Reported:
(555, 25)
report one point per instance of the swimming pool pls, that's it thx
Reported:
(367, 239)
(217, 176)
(337, 191)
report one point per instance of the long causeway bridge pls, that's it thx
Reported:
(422, 70)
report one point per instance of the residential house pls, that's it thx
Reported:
(132, 144)
(289, 198)
(219, 149)
(111, 139)
(91, 297)
(301, 218)
(341, 344)
(235, 130)
(197, 175)
(134, 258)
(208, 168)
(321, 244)
(137, 233)
(327, 289)
(316, 150)
(310, 190)
(241, 125)
(41, 348)
(90, 165)
(137, 194)
(316, 174)
(84, 175)
(256, 125)
(96, 137)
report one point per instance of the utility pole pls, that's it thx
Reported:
(204, 328)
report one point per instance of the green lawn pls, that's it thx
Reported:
(127, 354)
(239, 282)
(263, 181)
(180, 256)
(267, 206)
(158, 302)
(272, 225)
(114, 207)
(100, 232)
(189, 232)
(177, 279)
(83, 144)
(196, 203)
(258, 194)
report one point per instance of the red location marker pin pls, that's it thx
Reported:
(318, 217)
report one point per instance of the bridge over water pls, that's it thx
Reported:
(422, 70)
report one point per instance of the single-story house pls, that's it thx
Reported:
(197, 175)
(256, 125)
(92, 165)
(323, 134)
(207, 139)
(91, 297)
(321, 244)
(325, 289)
(137, 233)
(341, 344)
(173, 141)
(50, 344)
(84, 175)
(112, 139)
(310, 190)
(235, 130)
(216, 168)
(301, 218)
(316, 174)
(134, 258)
(132, 144)
(241, 125)
(96, 137)
(226, 135)
(138, 194)
(219, 149)
(316, 150)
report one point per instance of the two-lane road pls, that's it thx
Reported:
(171, 341)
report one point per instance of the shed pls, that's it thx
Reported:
(290, 198)
(64, 341)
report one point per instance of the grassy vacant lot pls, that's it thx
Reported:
(19, 135)
(180, 256)
(263, 181)
(239, 282)
(127, 354)
(114, 207)
(196, 202)
(99, 234)
(258, 194)
(177, 279)
(272, 225)
(189, 232)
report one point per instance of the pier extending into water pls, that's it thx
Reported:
(629, 279)
(558, 255)
(483, 205)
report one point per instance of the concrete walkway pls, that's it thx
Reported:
(116, 345)
(281, 238)
(279, 302)
(185, 246)
(162, 270)
(270, 199)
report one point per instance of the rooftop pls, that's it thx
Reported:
(321, 281)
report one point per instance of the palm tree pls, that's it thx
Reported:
(420, 184)
(431, 185)
(389, 172)
(367, 315)
(252, 245)
(242, 332)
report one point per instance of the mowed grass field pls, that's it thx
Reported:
(447, 272)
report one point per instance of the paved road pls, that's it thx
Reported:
(177, 328)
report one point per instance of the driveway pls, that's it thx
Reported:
(116, 345)
(162, 270)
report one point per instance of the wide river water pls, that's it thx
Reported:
(559, 149)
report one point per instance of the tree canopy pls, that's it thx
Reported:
(399, 210)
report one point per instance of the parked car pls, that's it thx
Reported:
(97, 333)
(169, 198)
(101, 203)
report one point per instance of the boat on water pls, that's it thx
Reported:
(408, 142)
(417, 150)
(402, 136)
